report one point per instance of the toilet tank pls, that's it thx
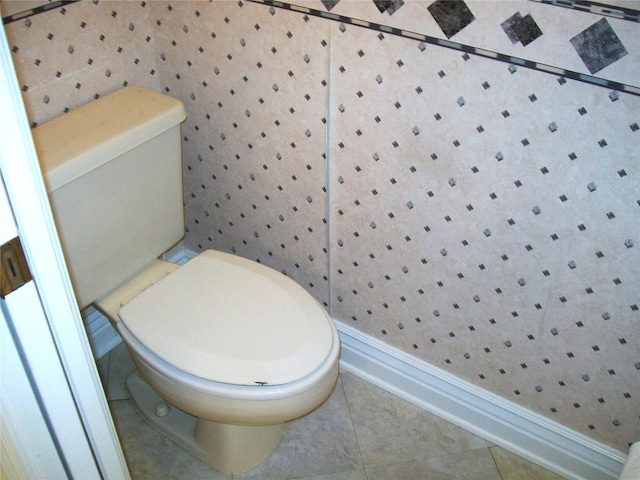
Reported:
(113, 172)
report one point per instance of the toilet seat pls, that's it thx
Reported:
(279, 333)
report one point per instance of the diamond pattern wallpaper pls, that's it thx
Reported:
(460, 182)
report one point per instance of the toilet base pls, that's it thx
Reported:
(227, 448)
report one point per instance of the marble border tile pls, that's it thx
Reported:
(481, 52)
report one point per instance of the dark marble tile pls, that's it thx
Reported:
(451, 15)
(329, 4)
(527, 30)
(508, 26)
(598, 46)
(388, 6)
(382, 5)
(395, 5)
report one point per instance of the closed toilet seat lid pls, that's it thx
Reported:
(228, 319)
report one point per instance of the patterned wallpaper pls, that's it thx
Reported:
(414, 165)
(71, 55)
(475, 212)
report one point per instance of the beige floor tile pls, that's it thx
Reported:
(321, 443)
(360, 426)
(471, 465)
(152, 456)
(390, 430)
(120, 367)
(513, 467)
(102, 364)
(351, 475)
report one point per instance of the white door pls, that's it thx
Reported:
(34, 450)
(28, 449)
(49, 383)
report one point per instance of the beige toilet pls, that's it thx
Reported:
(227, 350)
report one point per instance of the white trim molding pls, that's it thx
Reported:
(517, 429)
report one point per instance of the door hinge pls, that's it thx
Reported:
(14, 269)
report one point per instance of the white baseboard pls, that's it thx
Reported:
(102, 336)
(178, 255)
(517, 429)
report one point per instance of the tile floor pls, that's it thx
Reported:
(360, 433)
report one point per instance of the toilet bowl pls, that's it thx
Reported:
(227, 350)
(224, 393)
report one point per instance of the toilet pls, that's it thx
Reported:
(226, 349)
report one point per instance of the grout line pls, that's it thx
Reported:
(355, 432)
(495, 463)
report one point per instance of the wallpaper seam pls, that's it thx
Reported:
(327, 139)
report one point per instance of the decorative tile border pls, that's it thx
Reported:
(513, 61)
(598, 8)
(36, 10)
(581, 5)
(586, 6)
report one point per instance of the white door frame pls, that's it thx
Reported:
(46, 326)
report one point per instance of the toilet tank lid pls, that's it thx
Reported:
(82, 140)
